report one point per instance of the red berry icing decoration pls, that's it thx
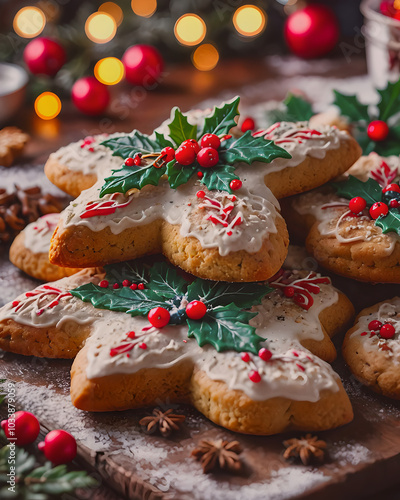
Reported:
(208, 157)
(185, 155)
(191, 143)
(210, 141)
(374, 325)
(169, 154)
(103, 284)
(235, 184)
(137, 161)
(21, 428)
(140, 286)
(196, 309)
(133, 286)
(394, 204)
(200, 175)
(378, 209)
(378, 130)
(289, 292)
(126, 283)
(357, 204)
(245, 357)
(59, 447)
(265, 354)
(129, 162)
(248, 124)
(387, 331)
(115, 286)
(254, 376)
(391, 187)
(200, 194)
(159, 317)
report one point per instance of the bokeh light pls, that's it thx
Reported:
(29, 22)
(47, 105)
(109, 71)
(249, 20)
(113, 10)
(144, 8)
(190, 29)
(205, 57)
(100, 27)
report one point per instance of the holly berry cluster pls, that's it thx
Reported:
(23, 428)
(379, 209)
(384, 330)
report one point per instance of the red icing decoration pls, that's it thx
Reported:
(103, 284)
(210, 141)
(99, 208)
(159, 317)
(208, 157)
(143, 346)
(357, 204)
(387, 331)
(254, 376)
(374, 325)
(248, 124)
(185, 155)
(126, 283)
(384, 175)
(133, 286)
(222, 213)
(169, 154)
(235, 184)
(141, 286)
(191, 143)
(115, 286)
(200, 175)
(245, 357)
(196, 309)
(200, 194)
(378, 209)
(391, 187)
(265, 354)
(129, 162)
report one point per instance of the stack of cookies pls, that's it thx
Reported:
(219, 322)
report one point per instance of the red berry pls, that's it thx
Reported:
(137, 161)
(59, 447)
(357, 204)
(103, 284)
(131, 335)
(191, 143)
(169, 153)
(126, 283)
(248, 124)
(387, 331)
(129, 162)
(21, 428)
(159, 317)
(207, 157)
(200, 194)
(265, 354)
(374, 325)
(200, 175)
(210, 141)
(196, 309)
(245, 357)
(133, 286)
(235, 184)
(391, 187)
(185, 155)
(143, 346)
(394, 204)
(378, 209)
(115, 286)
(378, 130)
(141, 286)
(254, 376)
(288, 291)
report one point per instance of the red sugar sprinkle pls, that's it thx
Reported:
(128, 355)
(363, 333)
(29, 294)
(245, 357)
(301, 367)
(200, 194)
(185, 341)
(146, 328)
(103, 284)
(133, 286)
(254, 376)
(189, 204)
(229, 233)
(295, 354)
(91, 149)
(143, 346)
(39, 312)
(115, 286)
(15, 303)
(132, 335)
(126, 283)
(141, 286)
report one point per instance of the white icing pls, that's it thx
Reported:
(388, 312)
(37, 235)
(292, 372)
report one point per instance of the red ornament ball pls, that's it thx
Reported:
(169, 154)
(159, 317)
(378, 130)
(235, 184)
(387, 331)
(59, 447)
(143, 65)
(312, 31)
(21, 428)
(44, 56)
(374, 325)
(391, 187)
(248, 124)
(207, 157)
(357, 204)
(210, 141)
(90, 96)
(196, 309)
(185, 155)
(378, 209)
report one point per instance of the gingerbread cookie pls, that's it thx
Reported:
(353, 226)
(247, 356)
(372, 348)
(30, 250)
(318, 154)
(12, 143)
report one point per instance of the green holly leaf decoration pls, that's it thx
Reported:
(219, 177)
(389, 103)
(370, 190)
(136, 143)
(247, 149)
(180, 129)
(226, 328)
(351, 107)
(222, 119)
(127, 178)
(225, 324)
(180, 174)
(298, 109)
(390, 223)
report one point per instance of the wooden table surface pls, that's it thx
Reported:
(182, 86)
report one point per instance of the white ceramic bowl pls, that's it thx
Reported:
(13, 82)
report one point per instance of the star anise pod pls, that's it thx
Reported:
(219, 454)
(306, 449)
(164, 421)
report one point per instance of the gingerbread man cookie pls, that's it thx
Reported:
(353, 226)
(372, 348)
(247, 356)
(30, 250)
